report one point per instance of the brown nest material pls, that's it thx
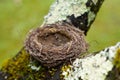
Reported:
(55, 43)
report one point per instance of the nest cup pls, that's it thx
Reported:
(56, 43)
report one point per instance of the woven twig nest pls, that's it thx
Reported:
(55, 43)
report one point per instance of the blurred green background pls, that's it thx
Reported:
(17, 17)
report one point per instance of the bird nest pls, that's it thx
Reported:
(55, 43)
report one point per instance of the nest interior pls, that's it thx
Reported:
(53, 39)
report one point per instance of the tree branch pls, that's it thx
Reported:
(81, 13)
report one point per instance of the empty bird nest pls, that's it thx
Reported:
(56, 43)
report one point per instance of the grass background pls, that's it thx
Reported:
(17, 17)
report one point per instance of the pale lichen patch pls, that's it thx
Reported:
(63, 8)
(91, 17)
(95, 1)
(33, 67)
(95, 67)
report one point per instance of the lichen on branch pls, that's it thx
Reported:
(81, 13)
(96, 67)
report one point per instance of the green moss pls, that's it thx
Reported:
(16, 65)
(21, 67)
(117, 59)
(65, 69)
